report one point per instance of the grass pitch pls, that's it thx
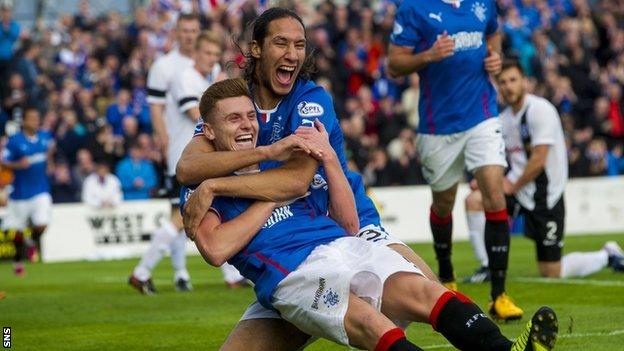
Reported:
(89, 305)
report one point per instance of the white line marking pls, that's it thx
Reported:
(566, 281)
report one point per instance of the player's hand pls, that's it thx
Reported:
(283, 149)
(318, 139)
(508, 187)
(493, 62)
(162, 141)
(473, 184)
(23, 163)
(196, 208)
(443, 47)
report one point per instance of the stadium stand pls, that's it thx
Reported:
(86, 73)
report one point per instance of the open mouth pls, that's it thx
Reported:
(285, 74)
(244, 141)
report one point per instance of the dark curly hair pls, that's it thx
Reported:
(259, 29)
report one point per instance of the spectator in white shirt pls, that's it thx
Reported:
(102, 189)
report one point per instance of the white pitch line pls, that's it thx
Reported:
(567, 281)
(561, 336)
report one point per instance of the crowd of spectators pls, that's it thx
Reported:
(86, 73)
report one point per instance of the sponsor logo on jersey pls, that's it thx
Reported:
(318, 182)
(467, 40)
(279, 214)
(309, 109)
(479, 9)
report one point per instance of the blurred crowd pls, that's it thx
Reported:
(86, 73)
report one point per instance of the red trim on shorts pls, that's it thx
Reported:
(497, 215)
(269, 261)
(389, 338)
(433, 317)
(434, 218)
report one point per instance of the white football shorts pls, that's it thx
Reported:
(315, 296)
(37, 209)
(443, 157)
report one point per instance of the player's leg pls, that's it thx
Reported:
(40, 219)
(159, 244)
(442, 168)
(263, 329)
(181, 276)
(485, 158)
(475, 218)
(441, 223)
(369, 329)
(413, 257)
(265, 334)
(380, 236)
(15, 223)
(413, 297)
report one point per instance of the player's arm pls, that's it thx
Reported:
(156, 98)
(217, 242)
(402, 58)
(199, 160)
(11, 157)
(341, 200)
(493, 62)
(285, 183)
(535, 166)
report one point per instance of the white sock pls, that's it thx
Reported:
(476, 231)
(178, 257)
(582, 264)
(230, 273)
(161, 239)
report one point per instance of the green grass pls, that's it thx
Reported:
(89, 306)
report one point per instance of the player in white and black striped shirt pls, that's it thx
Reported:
(166, 121)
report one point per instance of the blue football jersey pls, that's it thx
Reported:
(34, 179)
(455, 93)
(367, 212)
(283, 243)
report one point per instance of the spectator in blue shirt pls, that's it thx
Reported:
(137, 175)
(120, 110)
(9, 33)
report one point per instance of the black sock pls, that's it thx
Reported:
(442, 228)
(497, 245)
(36, 235)
(394, 340)
(20, 247)
(465, 325)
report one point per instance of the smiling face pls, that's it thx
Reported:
(280, 55)
(232, 124)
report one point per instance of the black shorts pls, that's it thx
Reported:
(173, 190)
(544, 226)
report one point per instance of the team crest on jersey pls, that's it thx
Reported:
(479, 9)
(318, 182)
(188, 194)
(309, 109)
(330, 299)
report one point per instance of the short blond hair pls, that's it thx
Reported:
(209, 37)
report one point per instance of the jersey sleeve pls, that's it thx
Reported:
(492, 23)
(405, 31)
(318, 104)
(10, 153)
(543, 122)
(157, 84)
(183, 93)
